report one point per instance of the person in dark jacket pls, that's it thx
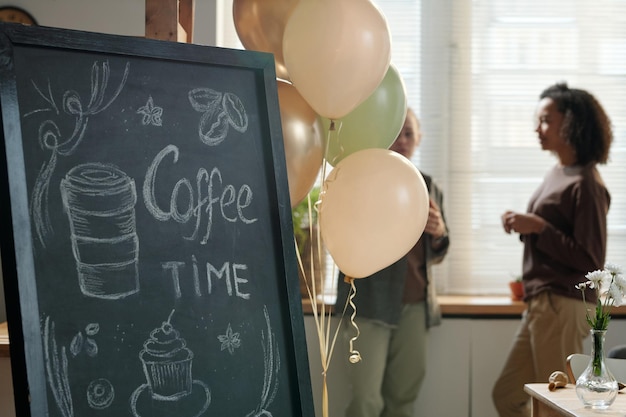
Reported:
(395, 308)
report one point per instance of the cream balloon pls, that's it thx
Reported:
(336, 52)
(260, 25)
(303, 139)
(373, 209)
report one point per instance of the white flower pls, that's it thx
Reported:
(620, 281)
(617, 290)
(613, 269)
(610, 288)
(598, 278)
(584, 285)
(616, 293)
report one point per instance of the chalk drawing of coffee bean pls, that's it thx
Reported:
(204, 99)
(91, 348)
(92, 329)
(217, 128)
(237, 115)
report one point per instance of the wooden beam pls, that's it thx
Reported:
(186, 13)
(170, 20)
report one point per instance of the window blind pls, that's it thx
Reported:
(482, 65)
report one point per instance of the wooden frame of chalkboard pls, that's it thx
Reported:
(147, 245)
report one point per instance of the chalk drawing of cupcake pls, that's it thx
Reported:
(169, 387)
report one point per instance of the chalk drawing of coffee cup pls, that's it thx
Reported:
(100, 203)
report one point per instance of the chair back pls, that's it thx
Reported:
(577, 362)
(618, 351)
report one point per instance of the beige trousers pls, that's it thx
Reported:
(387, 380)
(552, 327)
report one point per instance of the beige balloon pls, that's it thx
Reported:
(303, 139)
(337, 53)
(374, 207)
(260, 25)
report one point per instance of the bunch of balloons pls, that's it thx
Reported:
(342, 102)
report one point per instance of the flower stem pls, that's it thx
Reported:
(598, 352)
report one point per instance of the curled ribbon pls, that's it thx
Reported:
(355, 356)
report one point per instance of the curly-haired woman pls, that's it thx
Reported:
(564, 235)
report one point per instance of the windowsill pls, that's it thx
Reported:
(465, 305)
(492, 306)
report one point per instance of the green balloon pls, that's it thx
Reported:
(375, 123)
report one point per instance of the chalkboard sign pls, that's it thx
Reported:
(147, 243)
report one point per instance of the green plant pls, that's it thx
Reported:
(301, 220)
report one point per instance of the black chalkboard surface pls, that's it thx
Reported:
(147, 244)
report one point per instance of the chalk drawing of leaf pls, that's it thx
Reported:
(77, 344)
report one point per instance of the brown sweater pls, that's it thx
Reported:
(574, 202)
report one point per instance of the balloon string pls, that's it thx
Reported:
(324, 161)
(312, 250)
(334, 131)
(355, 356)
(329, 135)
(342, 150)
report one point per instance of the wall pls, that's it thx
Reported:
(7, 408)
(120, 17)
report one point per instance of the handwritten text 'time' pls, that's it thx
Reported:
(209, 192)
(229, 273)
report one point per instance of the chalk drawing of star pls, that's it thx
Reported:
(230, 340)
(151, 113)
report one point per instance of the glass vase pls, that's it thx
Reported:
(596, 386)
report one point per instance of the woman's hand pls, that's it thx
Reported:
(522, 223)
